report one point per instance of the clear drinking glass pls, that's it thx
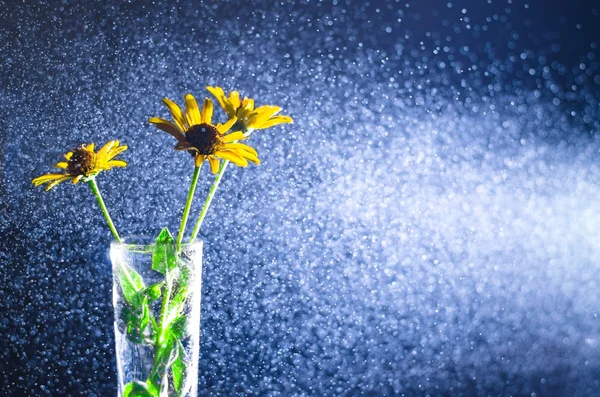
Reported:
(156, 297)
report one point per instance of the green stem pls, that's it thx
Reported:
(188, 205)
(164, 310)
(208, 200)
(154, 323)
(157, 374)
(111, 225)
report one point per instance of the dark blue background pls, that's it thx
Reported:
(427, 226)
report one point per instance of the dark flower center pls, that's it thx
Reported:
(204, 137)
(81, 162)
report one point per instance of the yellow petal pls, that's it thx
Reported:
(207, 111)
(246, 109)
(192, 112)
(116, 151)
(77, 179)
(274, 121)
(56, 182)
(223, 128)
(169, 128)
(45, 178)
(243, 154)
(234, 136)
(90, 147)
(109, 145)
(199, 159)
(234, 99)
(262, 114)
(233, 157)
(214, 164)
(241, 147)
(177, 114)
(218, 94)
(62, 165)
(252, 158)
(242, 114)
(106, 148)
(248, 103)
(116, 163)
(69, 155)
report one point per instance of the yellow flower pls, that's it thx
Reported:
(248, 118)
(195, 133)
(84, 162)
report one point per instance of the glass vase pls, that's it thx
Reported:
(156, 298)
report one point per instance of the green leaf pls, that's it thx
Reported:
(136, 313)
(180, 289)
(178, 367)
(176, 306)
(164, 355)
(164, 257)
(178, 327)
(137, 389)
(154, 389)
(130, 280)
(164, 237)
(136, 317)
(154, 291)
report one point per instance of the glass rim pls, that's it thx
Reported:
(143, 243)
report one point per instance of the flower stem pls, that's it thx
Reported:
(188, 205)
(208, 200)
(164, 310)
(111, 225)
